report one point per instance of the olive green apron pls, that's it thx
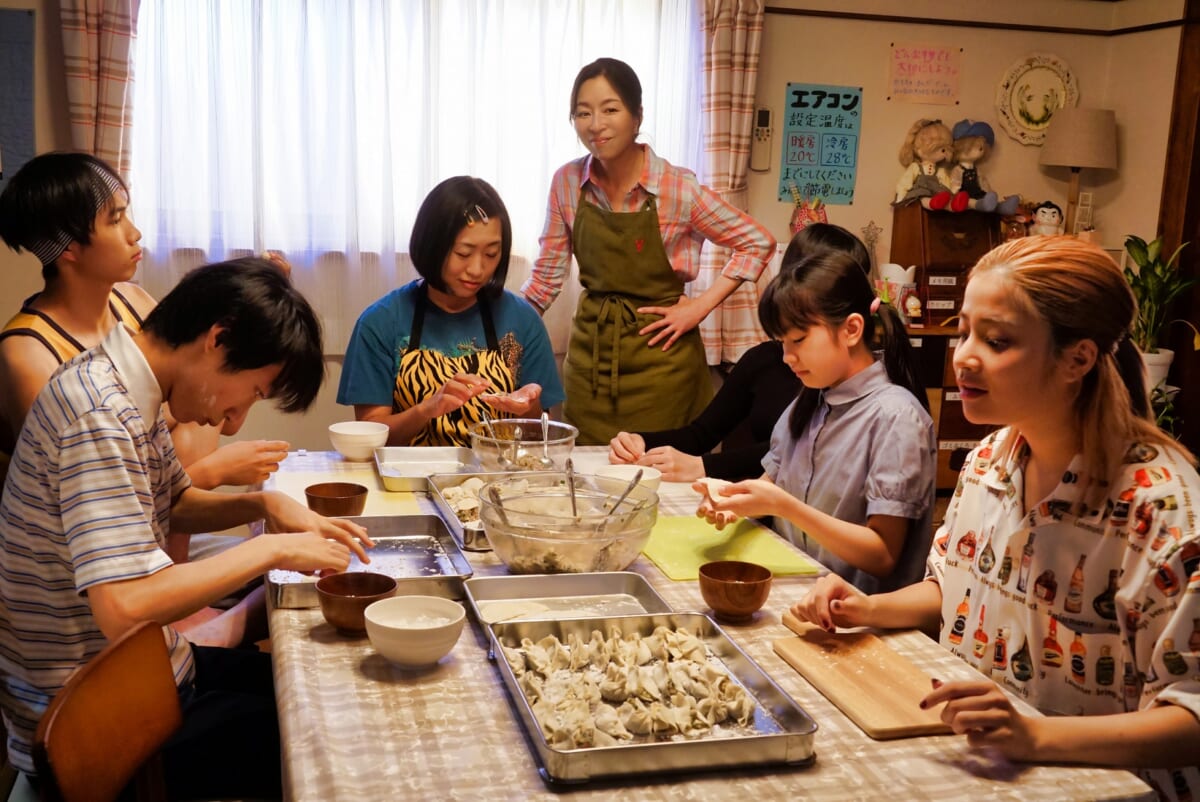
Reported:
(614, 381)
(421, 372)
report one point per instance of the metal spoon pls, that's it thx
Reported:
(637, 477)
(502, 461)
(547, 463)
(494, 495)
(516, 446)
(571, 486)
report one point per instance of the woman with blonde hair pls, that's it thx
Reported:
(1070, 548)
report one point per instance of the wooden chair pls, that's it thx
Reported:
(107, 724)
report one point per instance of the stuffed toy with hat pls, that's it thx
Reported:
(927, 147)
(973, 140)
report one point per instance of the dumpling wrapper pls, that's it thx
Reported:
(493, 612)
(712, 487)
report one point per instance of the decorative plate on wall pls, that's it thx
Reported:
(1030, 92)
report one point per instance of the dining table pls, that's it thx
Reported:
(354, 727)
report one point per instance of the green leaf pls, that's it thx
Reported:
(1136, 246)
(1154, 250)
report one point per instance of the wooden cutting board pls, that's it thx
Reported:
(876, 687)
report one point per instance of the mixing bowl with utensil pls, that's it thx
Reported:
(517, 444)
(532, 529)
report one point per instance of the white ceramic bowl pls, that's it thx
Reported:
(358, 439)
(414, 631)
(651, 477)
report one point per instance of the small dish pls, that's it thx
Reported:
(336, 499)
(345, 596)
(414, 631)
(356, 440)
(735, 590)
(651, 477)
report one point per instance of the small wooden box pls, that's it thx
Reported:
(951, 454)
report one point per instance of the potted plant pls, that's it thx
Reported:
(1155, 285)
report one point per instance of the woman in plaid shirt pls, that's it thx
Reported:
(635, 225)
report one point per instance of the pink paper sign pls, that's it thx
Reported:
(924, 73)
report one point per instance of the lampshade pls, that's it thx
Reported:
(1078, 137)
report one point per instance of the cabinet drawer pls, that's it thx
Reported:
(930, 357)
(939, 310)
(957, 240)
(953, 424)
(951, 455)
(948, 377)
(945, 285)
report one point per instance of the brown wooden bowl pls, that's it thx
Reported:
(346, 595)
(734, 590)
(336, 498)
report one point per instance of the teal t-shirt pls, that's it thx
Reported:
(382, 333)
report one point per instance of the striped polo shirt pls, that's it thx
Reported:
(87, 501)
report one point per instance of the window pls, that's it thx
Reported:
(316, 128)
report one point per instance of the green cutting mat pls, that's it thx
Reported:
(680, 544)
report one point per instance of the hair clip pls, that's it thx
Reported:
(476, 214)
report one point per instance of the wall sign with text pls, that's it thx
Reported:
(819, 157)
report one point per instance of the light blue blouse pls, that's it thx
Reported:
(869, 449)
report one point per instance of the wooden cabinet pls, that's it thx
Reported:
(956, 436)
(943, 246)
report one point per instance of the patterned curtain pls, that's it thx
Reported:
(97, 47)
(732, 41)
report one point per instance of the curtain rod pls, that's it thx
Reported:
(1004, 26)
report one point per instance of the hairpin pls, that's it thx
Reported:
(476, 213)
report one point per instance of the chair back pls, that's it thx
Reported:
(109, 721)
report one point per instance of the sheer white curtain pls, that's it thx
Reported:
(316, 128)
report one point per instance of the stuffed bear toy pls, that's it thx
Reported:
(927, 147)
(969, 189)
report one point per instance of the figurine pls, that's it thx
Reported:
(927, 147)
(969, 189)
(1047, 219)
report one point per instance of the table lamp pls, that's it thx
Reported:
(1078, 138)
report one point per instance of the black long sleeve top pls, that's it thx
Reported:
(757, 390)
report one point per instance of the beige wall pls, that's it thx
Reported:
(1132, 74)
(21, 276)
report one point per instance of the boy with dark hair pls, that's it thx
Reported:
(95, 483)
(70, 210)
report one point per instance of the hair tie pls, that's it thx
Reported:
(875, 305)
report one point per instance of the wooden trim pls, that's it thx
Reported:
(1179, 220)
(962, 23)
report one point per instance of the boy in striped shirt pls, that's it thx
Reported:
(94, 485)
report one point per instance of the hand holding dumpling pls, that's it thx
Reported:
(460, 389)
(725, 502)
(520, 402)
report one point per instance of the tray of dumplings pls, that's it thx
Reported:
(644, 694)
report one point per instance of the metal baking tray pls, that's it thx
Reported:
(470, 535)
(783, 731)
(417, 550)
(537, 596)
(407, 468)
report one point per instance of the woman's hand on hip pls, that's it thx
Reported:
(676, 321)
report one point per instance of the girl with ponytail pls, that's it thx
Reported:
(1075, 523)
(849, 476)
